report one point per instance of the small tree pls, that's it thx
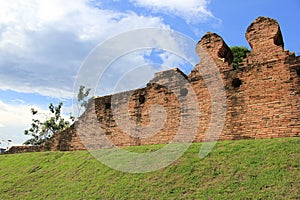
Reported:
(239, 53)
(42, 131)
(83, 93)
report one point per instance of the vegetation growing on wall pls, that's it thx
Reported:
(239, 53)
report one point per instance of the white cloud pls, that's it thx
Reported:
(20, 101)
(127, 72)
(43, 42)
(129, 51)
(192, 11)
(171, 60)
(15, 118)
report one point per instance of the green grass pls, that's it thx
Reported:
(247, 169)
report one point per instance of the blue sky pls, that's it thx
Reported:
(44, 43)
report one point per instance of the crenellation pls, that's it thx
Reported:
(265, 38)
(217, 49)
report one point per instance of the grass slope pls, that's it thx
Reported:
(248, 169)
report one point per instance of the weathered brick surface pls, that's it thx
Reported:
(262, 99)
(23, 149)
(66, 140)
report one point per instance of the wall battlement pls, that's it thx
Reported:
(262, 98)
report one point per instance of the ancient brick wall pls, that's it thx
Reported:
(23, 149)
(143, 116)
(66, 140)
(262, 99)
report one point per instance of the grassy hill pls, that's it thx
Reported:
(248, 169)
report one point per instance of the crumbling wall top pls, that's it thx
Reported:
(214, 45)
(167, 76)
(264, 33)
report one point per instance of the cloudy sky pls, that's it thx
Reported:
(45, 43)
